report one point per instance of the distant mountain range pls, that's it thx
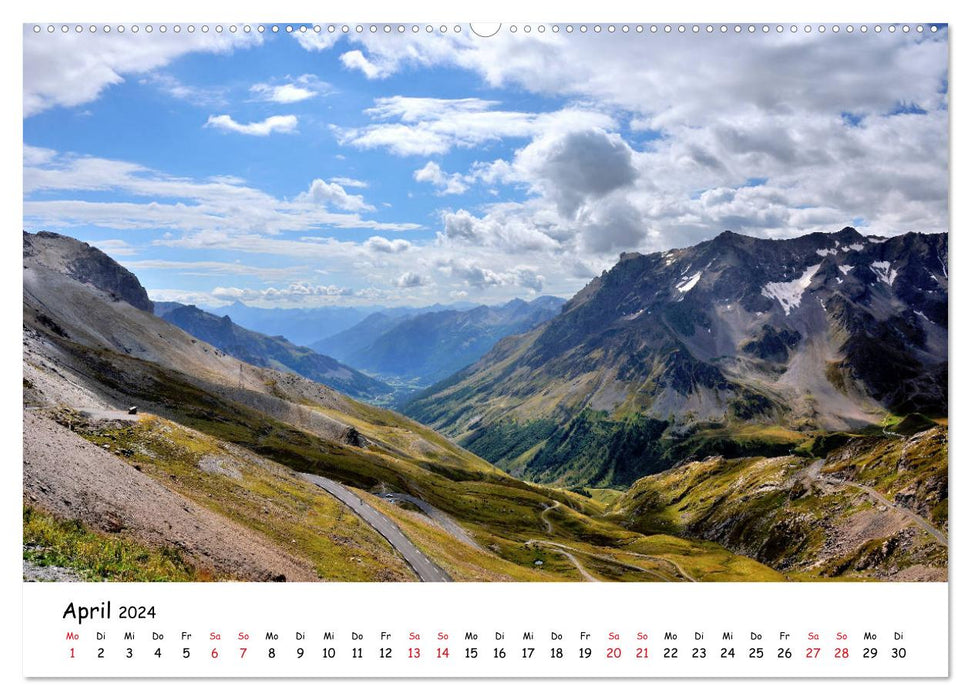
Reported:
(423, 347)
(275, 352)
(734, 346)
(304, 326)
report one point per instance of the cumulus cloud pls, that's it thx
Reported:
(707, 119)
(285, 124)
(356, 60)
(407, 50)
(380, 244)
(297, 291)
(446, 183)
(411, 279)
(577, 166)
(675, 78)
(70, 69)
(332, 193)
(297, 90)
(631, 144)
(475, 275)
(504, 227)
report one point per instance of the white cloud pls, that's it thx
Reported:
(331, 193)
(411, 279)
(216, 209)
(447, 183)
(297, 90)
(431, 126)
(193, 94)
(478, 276)
(297, 291)
(708, 118)
(316, 41)
(283, 123)
(349, 182)
(71, 69)
(506, 227)
(355, 60)
(185, 296)
(37, 156)
(674, 78)
(211, 268)
(406, 50)
(115, 247)
(380, 244)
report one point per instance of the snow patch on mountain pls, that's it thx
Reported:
(845, 269)
(688, 283)
(881, 268)
(823, 252)
(789, 294)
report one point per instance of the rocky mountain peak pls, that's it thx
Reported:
(86, 264)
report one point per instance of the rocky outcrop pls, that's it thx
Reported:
(87, 265)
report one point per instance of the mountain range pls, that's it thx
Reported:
(305, 326)
(735, 346)
(424, 346)
(275, 352)
(152, 455)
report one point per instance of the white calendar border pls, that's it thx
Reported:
(545, 11)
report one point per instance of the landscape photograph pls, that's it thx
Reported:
(412, 303)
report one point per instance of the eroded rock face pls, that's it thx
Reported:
(87, 265)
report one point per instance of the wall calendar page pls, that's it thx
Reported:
(450, 350)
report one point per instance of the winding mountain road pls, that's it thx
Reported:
(564, 550)
(443, 519)
(815, 471)
(422, 565)
(586, 575)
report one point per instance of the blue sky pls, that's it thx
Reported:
(314, 168)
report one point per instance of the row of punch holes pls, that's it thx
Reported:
(512, 28)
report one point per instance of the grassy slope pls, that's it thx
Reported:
(99, 556)
(774, 510)
(255, 493)
(503, 513)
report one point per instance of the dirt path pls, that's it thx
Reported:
(546, 521)
(564, 550)
(99, 414)
(665, 560)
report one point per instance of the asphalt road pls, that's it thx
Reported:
(422, 565)
(815, 471)
(921, 522)
(444, 520)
